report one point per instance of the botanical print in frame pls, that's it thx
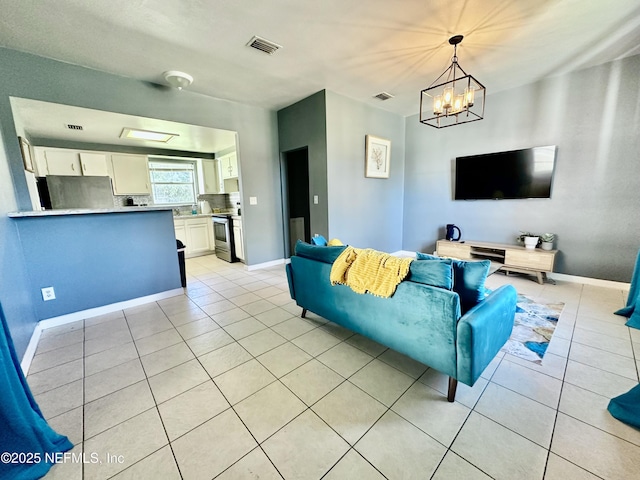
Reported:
(26, 154)
(377, 157)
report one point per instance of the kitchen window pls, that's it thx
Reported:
(173, 182)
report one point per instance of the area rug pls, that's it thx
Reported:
(532, 329)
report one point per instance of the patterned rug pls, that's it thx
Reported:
(532, 330)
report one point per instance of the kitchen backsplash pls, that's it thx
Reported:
(120, 200)
(234, 200)
(224, 201)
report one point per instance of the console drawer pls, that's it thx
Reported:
(534, 260)
(453, 249)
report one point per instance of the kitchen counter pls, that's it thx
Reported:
(86, 211)
(190, 215)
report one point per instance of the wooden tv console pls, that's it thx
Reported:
(513, 257)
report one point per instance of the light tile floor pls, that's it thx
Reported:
(228, 382)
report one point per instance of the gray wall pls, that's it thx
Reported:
(593, 116)
(28, 76)
(14, 281)
(363, 212)
(303, 124)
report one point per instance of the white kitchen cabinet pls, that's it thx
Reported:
(210, 175)
(40, 161)
(94, 164)
(196, 234)
(229, 166)
(181, 231)
(238, 240)
(130, 174)
(62, 162)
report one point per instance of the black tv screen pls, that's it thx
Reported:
(515, 174)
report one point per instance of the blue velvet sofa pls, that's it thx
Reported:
(448, 330)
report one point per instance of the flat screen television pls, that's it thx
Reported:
(515, 174)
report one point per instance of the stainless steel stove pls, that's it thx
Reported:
(223, 235)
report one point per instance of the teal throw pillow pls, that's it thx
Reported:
(437, 272)
(468, 279)
(318, 253)
(468, 282)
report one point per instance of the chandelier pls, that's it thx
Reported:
(457, 100)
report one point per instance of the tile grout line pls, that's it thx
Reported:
(557, 413)
(155, 406)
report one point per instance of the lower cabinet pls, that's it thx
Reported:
(238, 241)
(196, 234)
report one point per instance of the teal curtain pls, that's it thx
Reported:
(27, 442)
(632, 309)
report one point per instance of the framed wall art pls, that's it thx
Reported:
(377, 157)
(26, 154)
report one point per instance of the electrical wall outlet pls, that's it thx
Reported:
(253, 200)
(315, 199)
(48, 294)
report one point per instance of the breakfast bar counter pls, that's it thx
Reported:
(97, 257)
(83, 211)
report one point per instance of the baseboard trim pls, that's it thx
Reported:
(27, 358)
(30, 352)
(598, 282)
(259, 266)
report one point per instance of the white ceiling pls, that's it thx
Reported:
(49, 121)
(352, 47)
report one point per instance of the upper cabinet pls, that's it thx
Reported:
(130, 174)
(94, 163)
(51, 161)
(210, 175)
(229, 166)
(61, 161)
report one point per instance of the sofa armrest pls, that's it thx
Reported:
(289, 270)
(483, 331)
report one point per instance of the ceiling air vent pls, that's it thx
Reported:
(263, 45)
(74, 127)
(383, 96)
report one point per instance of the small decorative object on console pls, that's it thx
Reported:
(529, 239)
(547, 241)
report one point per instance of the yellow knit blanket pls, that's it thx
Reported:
(367, 270)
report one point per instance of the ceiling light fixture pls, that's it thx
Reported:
(458, 100)
(178, 79)
(135, 134)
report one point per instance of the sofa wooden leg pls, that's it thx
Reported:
(304, 313)
(453, 384)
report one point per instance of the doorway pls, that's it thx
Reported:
(297, 212)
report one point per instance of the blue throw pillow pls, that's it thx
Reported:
(468, 282)
(426, 256)
(319, 240)
(437, 272)
(318, 253)
(468, 279)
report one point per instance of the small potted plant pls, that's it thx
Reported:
(529, 239)
(547, 241)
